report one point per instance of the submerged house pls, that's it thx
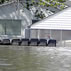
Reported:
(57, 26)
(14, 19)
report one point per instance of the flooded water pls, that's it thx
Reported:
(16, 58)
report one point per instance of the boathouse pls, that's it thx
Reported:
(57, 26)
(14, 19)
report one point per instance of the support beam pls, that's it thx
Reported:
(50, 33)
(18, 9)
(61, 37)
(27, 33)
(38, 34)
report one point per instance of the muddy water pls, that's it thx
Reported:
(14, 58)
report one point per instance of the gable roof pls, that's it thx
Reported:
(59, 21)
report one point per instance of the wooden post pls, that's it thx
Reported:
(5, 29)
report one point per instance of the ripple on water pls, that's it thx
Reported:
(36, 58)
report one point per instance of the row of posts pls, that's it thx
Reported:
(28, 32)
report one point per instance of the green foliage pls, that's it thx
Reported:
(47, 3)
(42, 3)
(40, 15)
(2, 1)
(61, 0)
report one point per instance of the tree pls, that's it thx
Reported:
(43, 3)
(2, 1)
(54, 3)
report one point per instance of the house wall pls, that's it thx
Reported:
(39, 33)
(10, 12)
(55, 34)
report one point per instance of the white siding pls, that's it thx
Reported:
(60, 21)
(10, 11)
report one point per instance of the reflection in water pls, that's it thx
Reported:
(13, 58)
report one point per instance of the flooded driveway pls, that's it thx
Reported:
(16, 58)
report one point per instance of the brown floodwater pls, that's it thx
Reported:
(20, 58)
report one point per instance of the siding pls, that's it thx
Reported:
(59, 21)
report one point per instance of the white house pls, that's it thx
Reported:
(14, 19)
(58, 26)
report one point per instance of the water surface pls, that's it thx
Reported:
(20, 58)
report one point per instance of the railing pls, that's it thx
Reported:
(27, 42)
